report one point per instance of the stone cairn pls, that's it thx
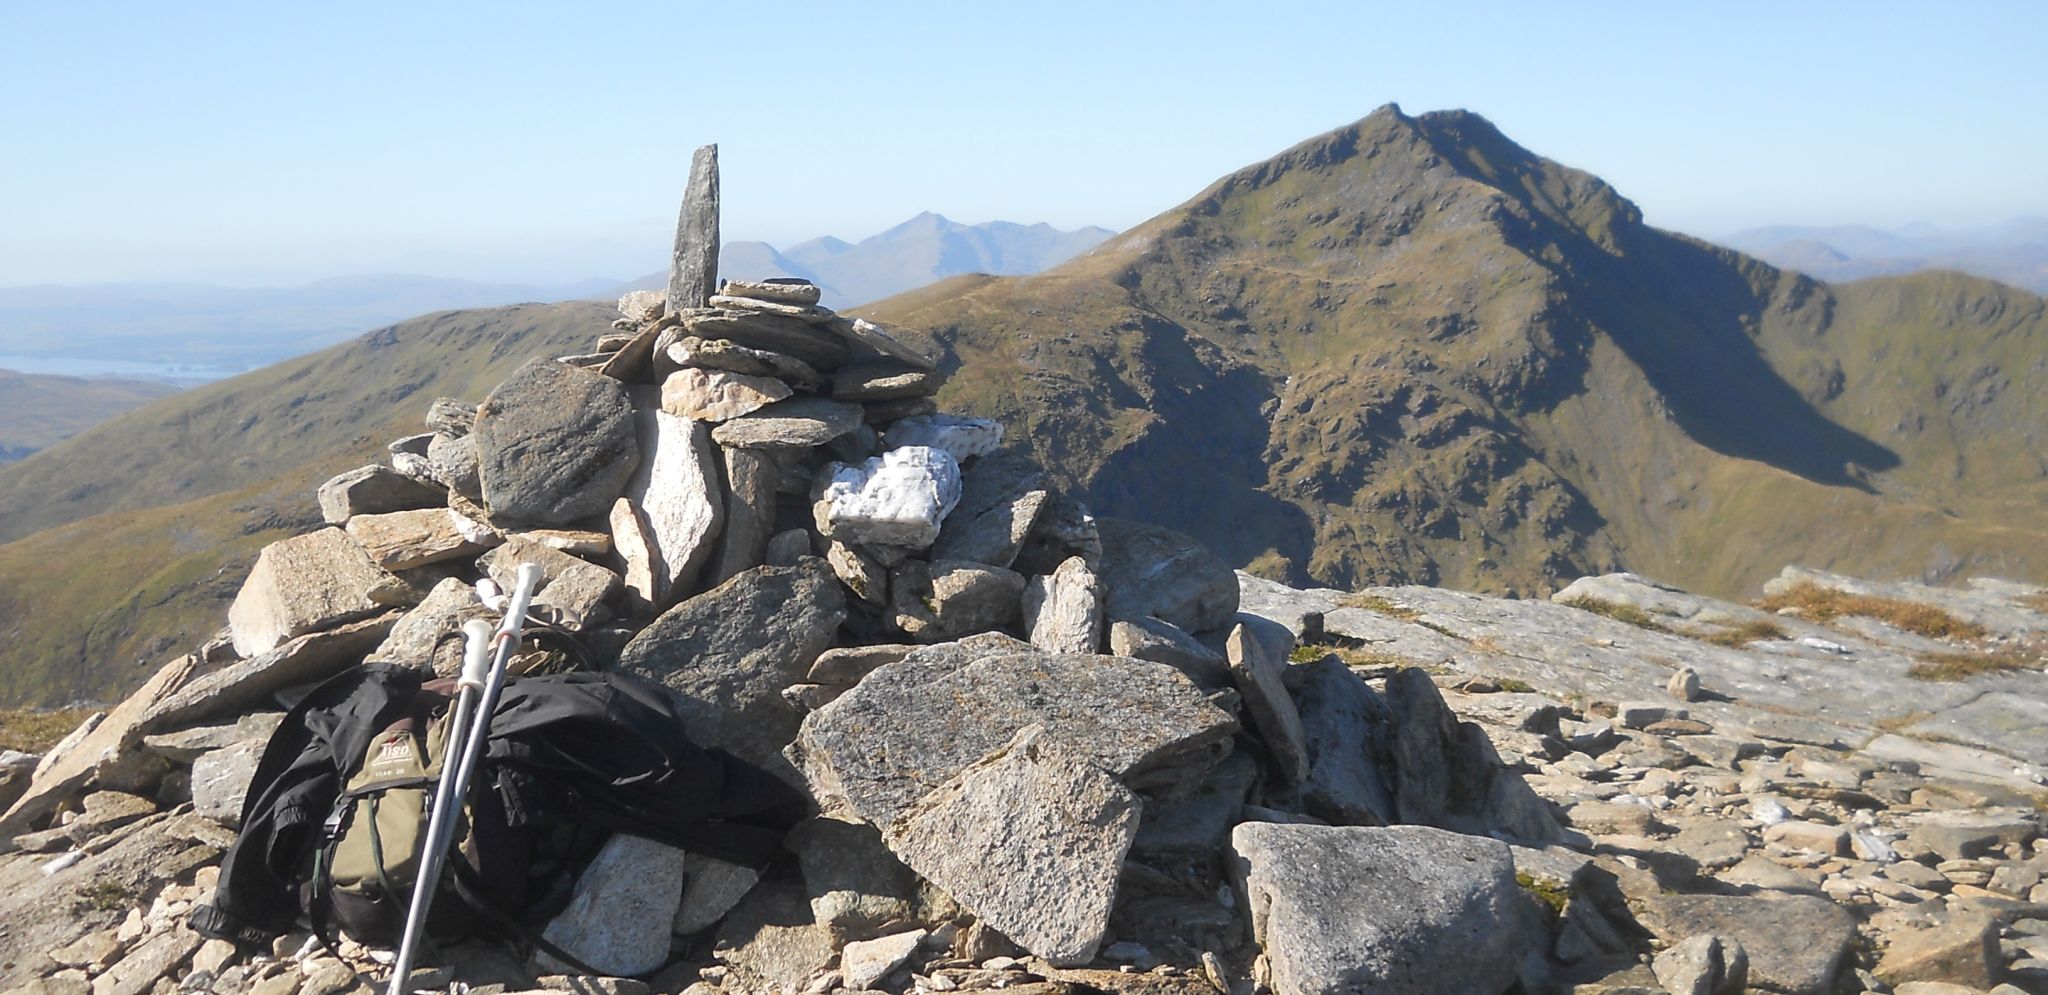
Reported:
(1047, 750)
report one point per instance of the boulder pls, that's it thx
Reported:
(305, 584)
(728, 653)
(798, 423)
(1031, 839)
(1795, 943)
(252, 682)
(453, 461)
(1063, 529)
(1256, 671)
(374, 489)
(960, 437)
(555, 443)
(689, 352)
(718, 395)
(909, 726)
(1148, 570)
(1063, 609)
(679, 505)
(576, 586)
(451, 417)
(1446, 773)
(1964, 950)
(1401, 909)
(1343, 724)
(619, 916)
(1703, 965)
(402, 540)
(1002, 496)
(948, 599)
(769, 332)
(899, 498)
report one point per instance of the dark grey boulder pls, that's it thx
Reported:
(454, 461)
(555, 443)
(911, 725)
(728, 653)
(1796, 944)
(1149, 570)
(1402, 910)
(1344, 722)
(1447, 774)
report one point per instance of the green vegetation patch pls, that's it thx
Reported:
(1382, 605)
(107, 896)
(1352, 656)
(1963, 666)
(1746, 633)
(1552, 896)
(1823, 604)
(1616, 611)
(35, 730)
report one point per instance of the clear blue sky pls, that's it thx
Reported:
(273, 142)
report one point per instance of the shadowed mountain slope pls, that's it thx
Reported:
(1412, 351)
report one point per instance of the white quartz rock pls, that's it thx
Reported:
(963, 438)
(896, 499)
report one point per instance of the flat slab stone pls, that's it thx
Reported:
(619, 916)
(1795, 943)
(252, 682)
(575, 585)
(689, 352)
(679, 504)
(861, 331)
(911, 725)
(555, 443)
(798, 423)
(993, 535)
(750, 477)
(961, 437)
(1401, 909)
(883, 380)
(734, 302)
(402, 540)
(1031, 839)
(374, 489)
(718, 395)
(1149, 570)
(305, 584)
(1257, 672)
(791, 290)
(770, 332)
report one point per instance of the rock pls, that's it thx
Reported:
(769, 333)
(402, 540)
(750, 476)
(770, 943)
(220, 780)
(619, 916)
(896, 499)
(94, 746)
(882, 380)
(909, 726)
(798, 423)
(1642, 715)
(676, 352)
(856, 886)
(304, 584)
(150, 960)
(1405, 909)
(1063, 529)
(416, 638)
(948, 599)
(868, 580)
(576, 586)
(374, 489)
(643, 306)
(1446, 773)
(1703, 965)
(718, 395)
(844, 666)
(555, 443)
(1963, 950)
(677, 507)
(728, 653)
(1031, 839)
(576, 542)
(1684, 685)
(992, 535)
(1148, 570)
(1830, 840)
(693, 267)
(1795, 943)
(863, 964)
(960, 437)
(1193, 826)
(860, 331)
(1256, 673)
(452, 460)
(187, 745)
(781, 290)
(1342, 722)
(250, 682)
(786, 548)
(712, 888)
(1151, 639)
(1063, 610)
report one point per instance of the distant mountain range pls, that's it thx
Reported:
(923, 250)
(2014, 252)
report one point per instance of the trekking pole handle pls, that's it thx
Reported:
(522, 597)
(476, 655)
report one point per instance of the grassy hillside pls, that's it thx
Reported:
(38, 410)
(1412, 351)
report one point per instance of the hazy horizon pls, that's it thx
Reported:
(253, 145)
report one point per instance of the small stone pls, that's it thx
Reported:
(1830, 840)
(374, 489)
(402, 540)
(786, 548)
(797, 423)
(717, 395)
(844, 666)
(1703, 965)
(860, 331)
(900, 498)
(642, 306)
(151, 959)
(865, 963)
(962, 438)
(1684, 685)
(1639, 715)
(1147, 638)
(882, 380)
(867, 579)
(790, 290)
(949, 599)
(1063, 610)
(712, 887)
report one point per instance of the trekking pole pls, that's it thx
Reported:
(485, 658)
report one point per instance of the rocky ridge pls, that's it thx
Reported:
(1057, 753)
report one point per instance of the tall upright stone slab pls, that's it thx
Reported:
(693, 272)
